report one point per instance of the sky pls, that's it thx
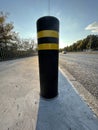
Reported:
(78, 18)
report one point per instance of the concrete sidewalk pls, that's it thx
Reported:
(21, 107)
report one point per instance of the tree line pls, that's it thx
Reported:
(88, 43)
(11, 45)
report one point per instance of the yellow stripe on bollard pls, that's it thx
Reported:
(47, 33)
(48, 46)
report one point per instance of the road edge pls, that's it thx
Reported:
(90, 100)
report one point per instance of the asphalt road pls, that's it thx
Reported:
(84, 68)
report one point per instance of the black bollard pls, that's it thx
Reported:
(48, 53)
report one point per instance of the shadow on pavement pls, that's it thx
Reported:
(66, 112)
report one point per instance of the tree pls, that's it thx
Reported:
(10, 43)
(90, 42)
(94, 42)
(84, 44)
(6, 33)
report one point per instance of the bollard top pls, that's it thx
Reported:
(48, 17)
(48, 23)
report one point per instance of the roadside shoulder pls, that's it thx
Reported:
(91, 101)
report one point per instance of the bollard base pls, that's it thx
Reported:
(48, 99)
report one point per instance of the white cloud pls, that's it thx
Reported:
(93, 27)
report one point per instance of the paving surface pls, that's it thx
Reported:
(84, 68)
(66, 112)
(21, 107)
(19, 94)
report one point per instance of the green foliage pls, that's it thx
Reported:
(90, 42)
(6, 33)
(11, 46)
